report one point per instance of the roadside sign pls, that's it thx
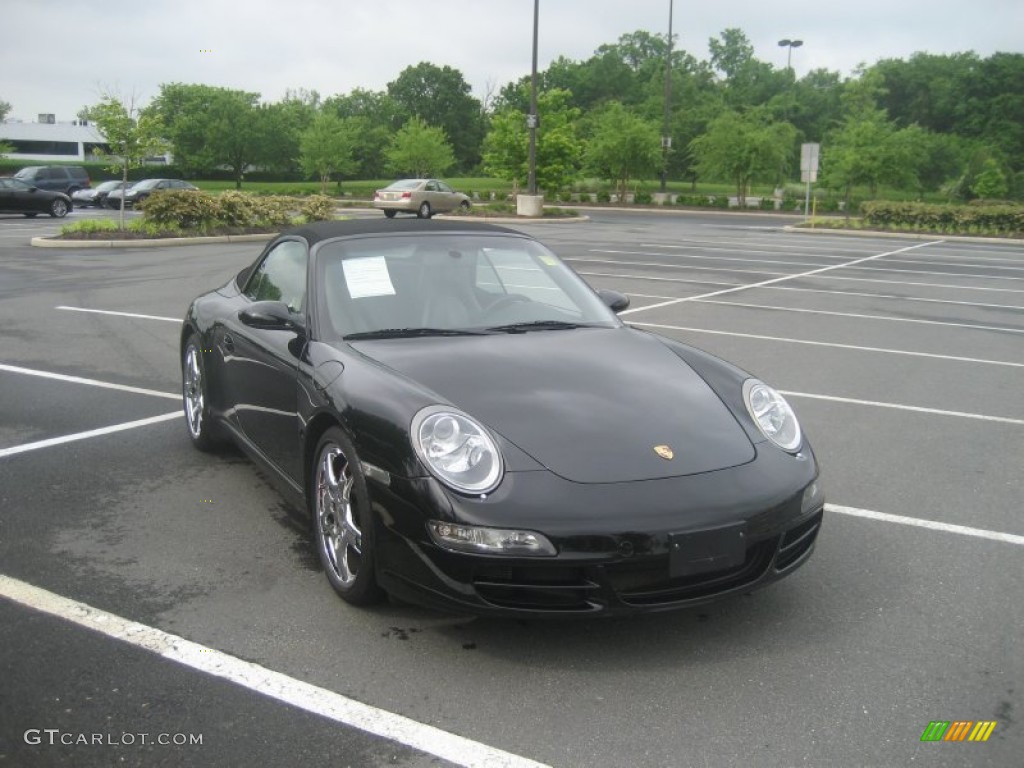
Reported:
(809, 162)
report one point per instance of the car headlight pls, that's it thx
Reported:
(457, 450)
(772, 415)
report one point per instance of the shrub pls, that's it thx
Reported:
(318, 208)
(237, 209)
(643, 198)
(184, 208)
(604, 196)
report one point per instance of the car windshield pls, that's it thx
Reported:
(106, 186)
(406, 285)
(146, 184)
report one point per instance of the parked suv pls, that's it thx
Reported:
(59, 178)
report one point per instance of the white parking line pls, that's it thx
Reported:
(50, 442)
(860, 316)
(267, 682)
(854, 347)
(963, 530)
(900, 407)
(821, 270)
(121, 314)
(90, 382)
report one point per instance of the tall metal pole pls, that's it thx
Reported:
(532, 117)
(665, 134)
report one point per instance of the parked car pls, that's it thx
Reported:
(140, 190)
(471, 427)
(18, 197)
(56, 178)
(424, 197)
(97, 195)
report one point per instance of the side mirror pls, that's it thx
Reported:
(614, 300)
(270, 316)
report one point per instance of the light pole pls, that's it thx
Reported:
(790, 44)
(666, 138)
(532, 117)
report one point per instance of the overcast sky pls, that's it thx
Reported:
(60, 55)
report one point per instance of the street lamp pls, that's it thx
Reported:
(532, 117)
(790, 44)
(666, 140)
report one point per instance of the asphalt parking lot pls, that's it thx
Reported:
(903, 357)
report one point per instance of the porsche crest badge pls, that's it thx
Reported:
(664, 451)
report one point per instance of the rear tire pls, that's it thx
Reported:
(389, 214)
(343, 526)
(424, 211)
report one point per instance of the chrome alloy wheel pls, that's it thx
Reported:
(340, 540)
(192, 387)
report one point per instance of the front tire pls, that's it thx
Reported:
(194, 397)
(342, 520)
(464, 207)
(59, 209)
(424, 211)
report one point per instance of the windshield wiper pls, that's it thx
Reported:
(398, 333)
(540, 325)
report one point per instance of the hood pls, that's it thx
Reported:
(589, 404)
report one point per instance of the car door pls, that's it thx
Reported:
(446, 197)
(260, 364)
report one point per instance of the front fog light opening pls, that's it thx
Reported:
(490, 541)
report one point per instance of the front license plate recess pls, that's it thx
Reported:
(717, 549)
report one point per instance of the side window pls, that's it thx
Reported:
(281, 276)
(445, 188)
(431, 186)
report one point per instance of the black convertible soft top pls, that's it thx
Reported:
(326, 230)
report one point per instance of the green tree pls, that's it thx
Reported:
(991, 182)
(559, 147)
(441, 97)
(379, 115)
(327, 147)
(210, 127)
(744, 147)
(420, 149)
(623, 146)
(5, 109)
(131, 137)
(868, 149)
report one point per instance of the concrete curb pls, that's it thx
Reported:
(48, 242)
(901, 235)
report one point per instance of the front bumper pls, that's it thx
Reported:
(614, 540)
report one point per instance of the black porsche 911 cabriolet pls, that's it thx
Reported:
(471, 427)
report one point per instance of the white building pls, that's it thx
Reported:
(51, 141)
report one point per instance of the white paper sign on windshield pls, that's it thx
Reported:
(368, 277)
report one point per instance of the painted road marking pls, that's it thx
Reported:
(89, 382)
(913, 408)
(820, 270)
(962, 530)
(857, 315)
(835, 345)
(267, 682)
(121, 314)
(50, 442)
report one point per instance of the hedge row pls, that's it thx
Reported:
(189, 208)
(1002, 218)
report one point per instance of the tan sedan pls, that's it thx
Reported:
(424, 197)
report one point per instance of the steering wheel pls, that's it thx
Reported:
(505, 301)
